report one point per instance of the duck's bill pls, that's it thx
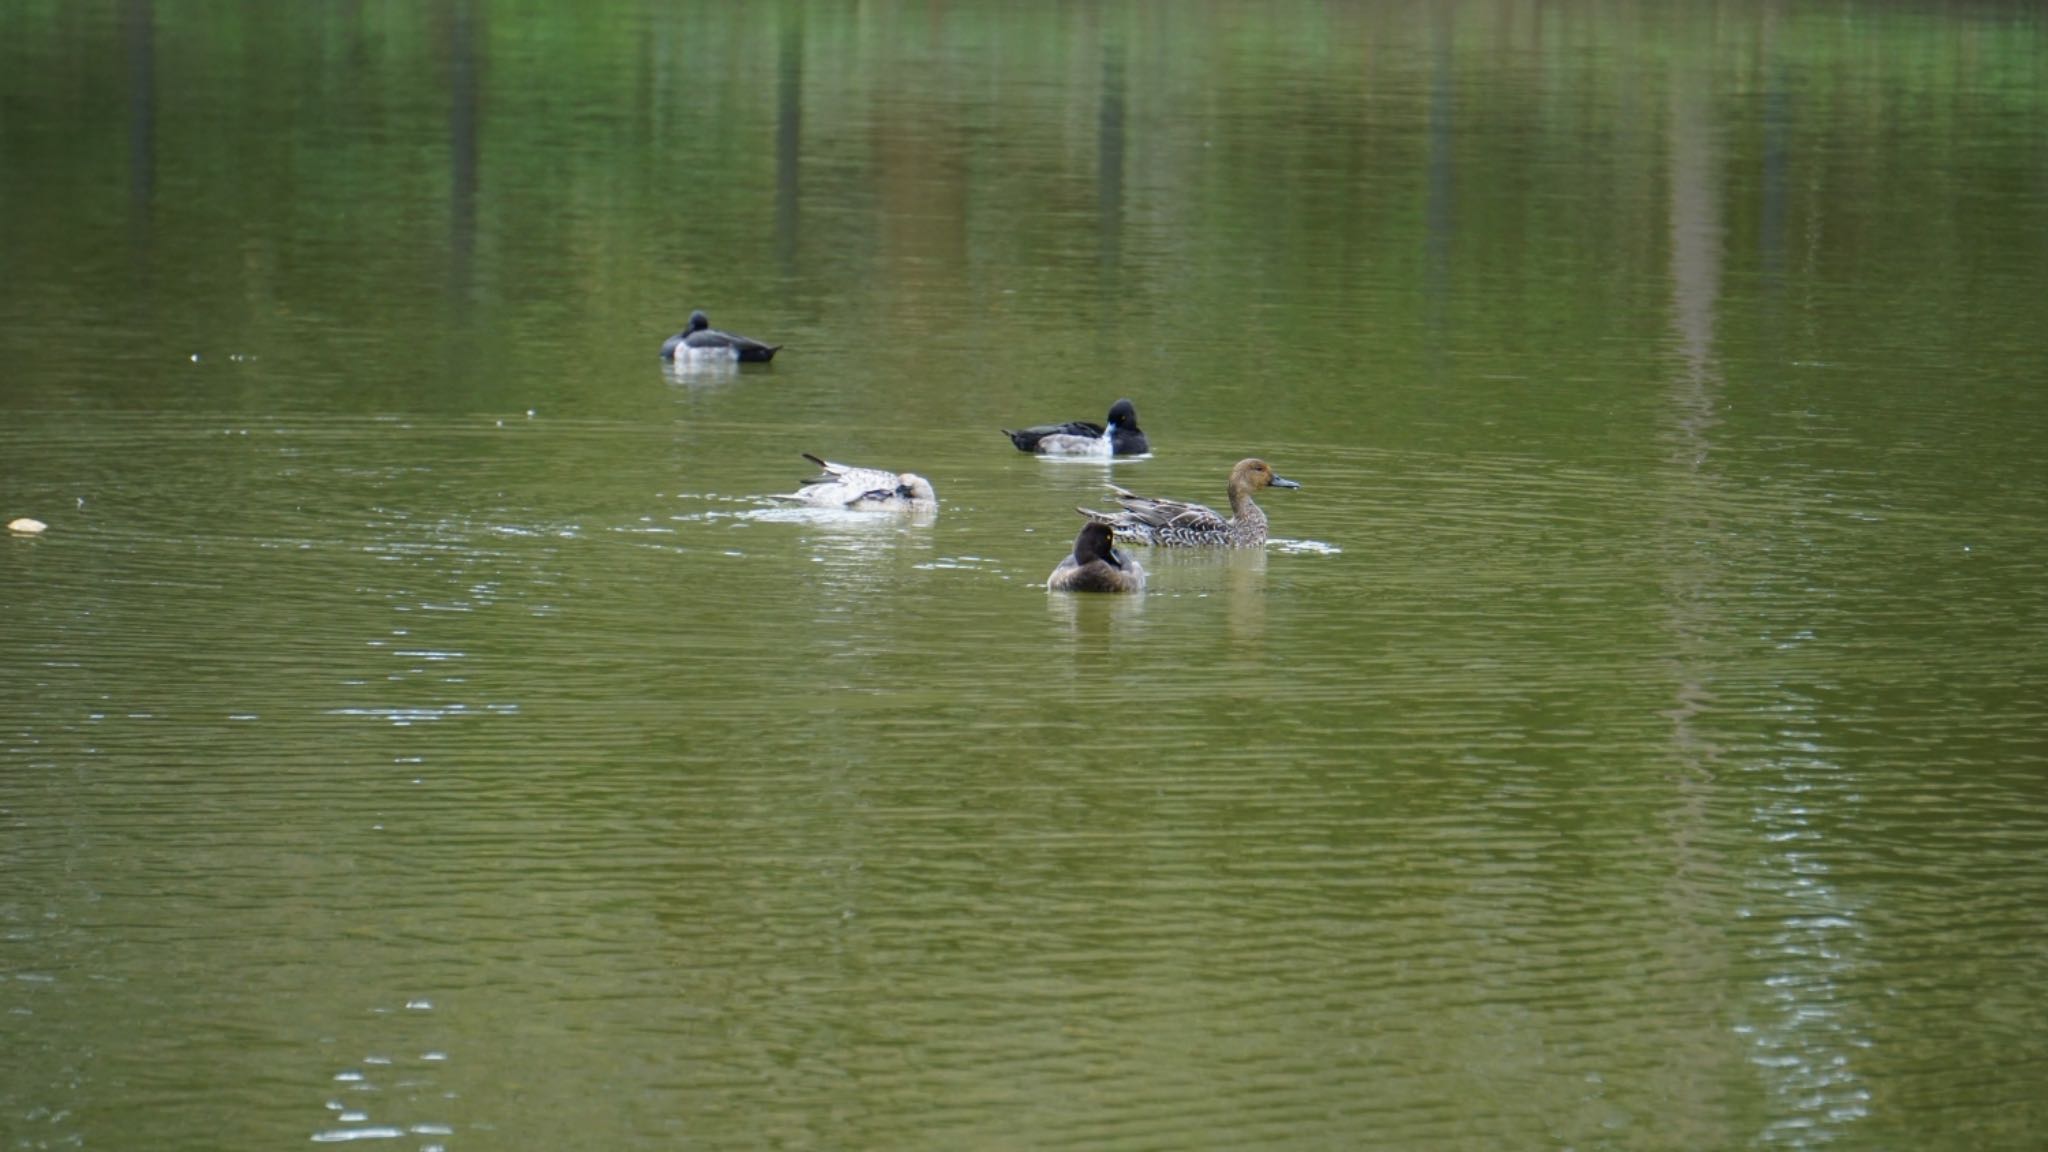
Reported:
(1284, 482)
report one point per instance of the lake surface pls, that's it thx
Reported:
(417, 727)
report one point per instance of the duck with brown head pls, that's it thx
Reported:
(1176, 523)
(1096, 566)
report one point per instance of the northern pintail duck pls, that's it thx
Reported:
(1174, 523)
(1085, 438)
(1095, 566)
(700, 341)
(864, 489)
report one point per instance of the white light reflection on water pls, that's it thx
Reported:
(1805, 1032)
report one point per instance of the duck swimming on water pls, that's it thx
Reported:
(864, 489)
(1174, 523)
(1095, 566)
(1085, 438)
(700, 341)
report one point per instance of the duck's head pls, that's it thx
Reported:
(911, 486)
(1123, 414)
(1096, 542)
(1253, 474)
(698, 321)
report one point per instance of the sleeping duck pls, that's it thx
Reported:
(863, 489)
(700, 341)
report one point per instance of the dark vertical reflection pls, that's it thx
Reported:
(789, 116)
(463, 123)
(139, 27)
(1436, 273)
(1109, 167)
(1771, 224)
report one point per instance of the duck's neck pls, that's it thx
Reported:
(1243, 511)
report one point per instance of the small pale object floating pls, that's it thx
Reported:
(26, 525)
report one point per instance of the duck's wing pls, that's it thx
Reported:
(878, 498)
(1178, 515)
(1139, 519)
(752, 350)
(1096, 576)
(859, 480)
(829, 492)
(1063, 444)
(743, 347)
(1026, 439)
(705, 340)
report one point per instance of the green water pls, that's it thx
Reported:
(416, 726)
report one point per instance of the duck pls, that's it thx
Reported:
(1173, 523)
(863, 489)
(1085, 438)
(700, 341)
(1095, 566)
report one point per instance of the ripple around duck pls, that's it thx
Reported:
(1303, 547)
(1389, 814)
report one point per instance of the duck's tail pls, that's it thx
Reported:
(827, 470)
(1121, 525)
(1122, 520)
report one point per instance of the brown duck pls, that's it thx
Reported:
(1173, 523)
(1095, 566)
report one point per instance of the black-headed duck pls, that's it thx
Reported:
(700, 341)
(1084, 437)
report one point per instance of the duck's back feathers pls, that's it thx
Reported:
(712, 342)
(1029, 439)
(1145, 520)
